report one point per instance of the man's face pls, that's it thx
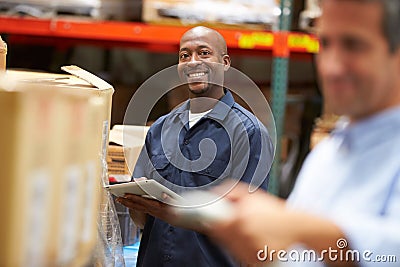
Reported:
(201, 63)
(359, 75)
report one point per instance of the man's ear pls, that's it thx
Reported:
(227, 62)
(398, 56)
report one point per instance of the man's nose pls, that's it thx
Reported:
(332, 62)
(194, 60)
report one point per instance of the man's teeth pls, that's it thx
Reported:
(198, 74)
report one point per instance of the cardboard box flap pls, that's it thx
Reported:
(131, 138)
(75, 78)
(87, 76)
(128, 135)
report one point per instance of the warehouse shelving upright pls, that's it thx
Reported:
(279, 87)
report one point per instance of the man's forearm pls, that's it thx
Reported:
(320, 234)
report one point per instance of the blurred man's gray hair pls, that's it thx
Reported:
(391, 21)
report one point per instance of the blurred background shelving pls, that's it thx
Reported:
(126, 42)
(159, 38)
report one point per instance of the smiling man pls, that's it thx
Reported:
(205, 140)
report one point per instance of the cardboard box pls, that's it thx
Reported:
(54, 141)
(3, 53)
(256, 15)
(122, 157)
(27, 176)
(116, 161)
(130, 10)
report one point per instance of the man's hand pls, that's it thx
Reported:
(261, 219)
(140, 206)
(146, 205)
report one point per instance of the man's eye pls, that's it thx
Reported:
(183, 56)
(354, 45)
(205, 53)
(323, 42)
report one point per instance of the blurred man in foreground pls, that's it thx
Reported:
(345, 207)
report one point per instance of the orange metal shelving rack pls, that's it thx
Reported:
(70, 31)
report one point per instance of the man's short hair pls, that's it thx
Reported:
(391, 21)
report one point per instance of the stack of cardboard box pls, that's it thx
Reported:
(3, 53)
(255, 14)
(116, 161)
(53, 142)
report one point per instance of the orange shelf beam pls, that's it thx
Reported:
(136, 34)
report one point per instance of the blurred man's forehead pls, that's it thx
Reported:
(350, 16)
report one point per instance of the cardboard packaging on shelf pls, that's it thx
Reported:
(128, 10)
(96, 9)
(3, 53)
(309, 15)
(54, 139)
(256, 14)
(127, 141)
(46, 9)
(122, 156)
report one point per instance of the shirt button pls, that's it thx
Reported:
(185, 142)
(208, 170)
(167, 257)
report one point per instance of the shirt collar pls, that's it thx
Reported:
(222, 108)
(368, 132)
(219, 112)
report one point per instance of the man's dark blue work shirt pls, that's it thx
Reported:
(238, 138)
